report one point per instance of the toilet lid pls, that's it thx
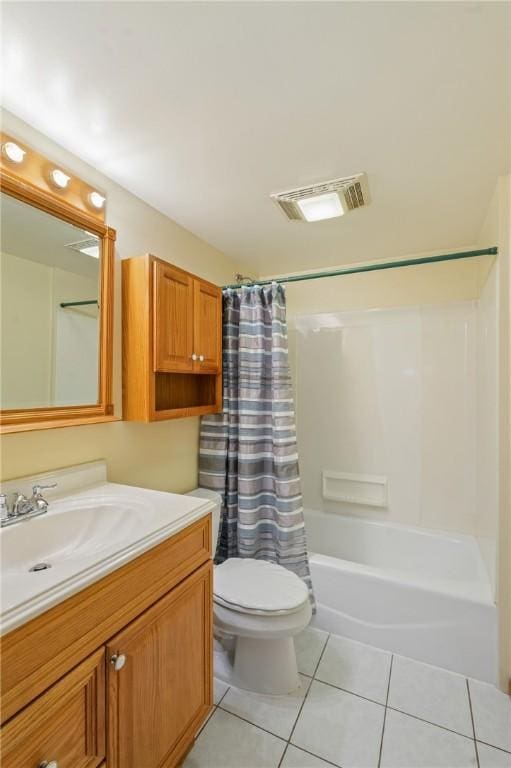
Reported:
(257, 586)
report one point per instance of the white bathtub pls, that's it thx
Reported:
(422, 594)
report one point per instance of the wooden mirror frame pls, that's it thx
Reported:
(29, 184)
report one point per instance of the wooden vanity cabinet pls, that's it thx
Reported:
(161, 689)
(172, 342)
(139, 698)
(66, 724)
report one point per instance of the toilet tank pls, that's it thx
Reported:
(205, 493)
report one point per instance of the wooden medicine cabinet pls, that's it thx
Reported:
(172, 342)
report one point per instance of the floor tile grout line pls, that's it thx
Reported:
(493, 746)
(430, 722)
(321, 655)
(287, 743)
(385, 711)
(390, 676)
(304, 700)
(312, 754)
(283, 755)
(260, 727)
(206, 721)
(224, 694)
(352, 693)
(472, 721)
(210, 715)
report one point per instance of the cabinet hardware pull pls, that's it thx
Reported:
(118, 660)
(48, 764)
(194, 356)
(201, 358)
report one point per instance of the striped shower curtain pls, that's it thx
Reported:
(248, 453)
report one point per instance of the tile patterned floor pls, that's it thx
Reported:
(358, 707)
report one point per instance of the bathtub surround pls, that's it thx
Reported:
(248, 454)
(394, 395)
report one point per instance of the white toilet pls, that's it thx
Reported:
(258, 607)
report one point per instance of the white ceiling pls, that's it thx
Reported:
(204, 109)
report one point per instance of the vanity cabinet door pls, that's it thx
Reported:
(65, 725)
(160, 677)
(172, 319)
(207, 327)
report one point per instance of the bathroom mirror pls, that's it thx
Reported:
(55, 312)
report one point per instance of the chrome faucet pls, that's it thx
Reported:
(22, 508)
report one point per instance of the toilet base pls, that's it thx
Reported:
(263, 666)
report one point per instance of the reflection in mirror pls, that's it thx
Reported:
(50, 283)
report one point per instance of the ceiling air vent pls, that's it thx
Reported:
(90, 247)
(326, 200)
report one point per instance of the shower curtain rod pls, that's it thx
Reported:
(65, 304)
(372, 267)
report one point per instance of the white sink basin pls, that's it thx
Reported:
(83, 537)
(75, 529)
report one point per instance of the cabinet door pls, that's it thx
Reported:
(172, 319)
(161, 695)
(66, 724)
(207, 327)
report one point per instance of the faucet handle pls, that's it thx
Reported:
(19, 501)
(36, 489)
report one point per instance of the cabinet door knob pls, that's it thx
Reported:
(194, 356)
(118, 660)
(201, 358)
(48, 764)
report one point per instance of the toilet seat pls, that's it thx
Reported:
(257, 587)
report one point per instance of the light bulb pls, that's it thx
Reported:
(321, 207)
(13, 152)
(97, 200)
(59, 178)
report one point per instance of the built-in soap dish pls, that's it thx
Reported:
(368, 490)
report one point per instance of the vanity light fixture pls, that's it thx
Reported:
(13, 152)
(59, 178)
(97, 200)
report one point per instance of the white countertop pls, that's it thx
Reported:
(84, 536)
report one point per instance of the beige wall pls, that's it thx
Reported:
(505, 520)
(163, 455)
(405, 286)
